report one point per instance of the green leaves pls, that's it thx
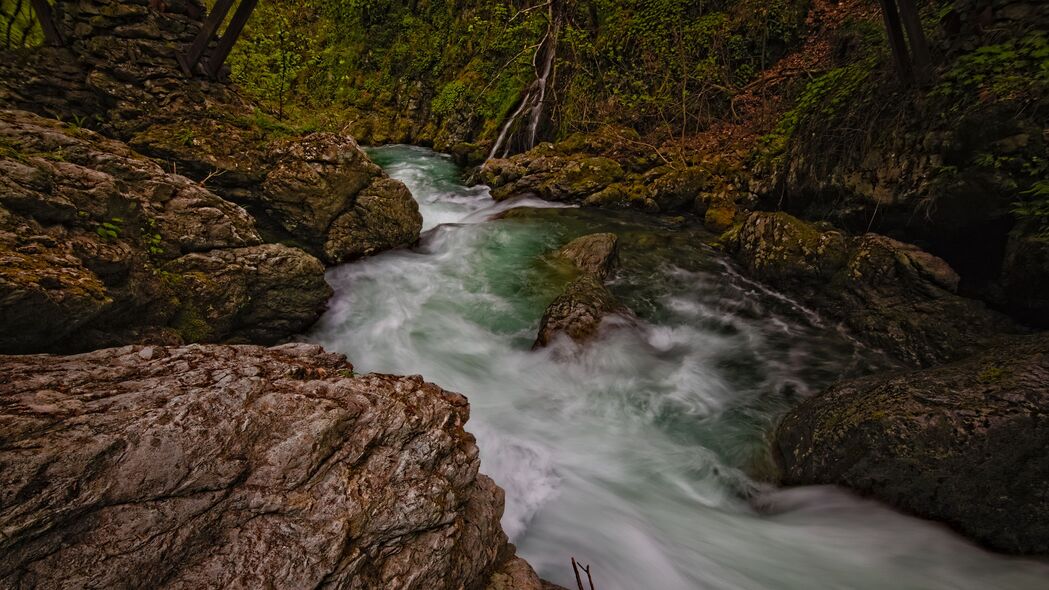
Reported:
(1017, 70)
(109, 230)
(1035, 208)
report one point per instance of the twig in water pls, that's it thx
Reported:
(579, 579)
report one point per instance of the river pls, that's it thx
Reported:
(641, 454)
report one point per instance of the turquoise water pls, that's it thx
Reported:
(642, 453)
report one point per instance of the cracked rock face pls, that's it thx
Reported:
(240, 467)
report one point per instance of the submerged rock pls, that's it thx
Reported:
(594, 254)
(100, 246)
(962, 443)
(579, 311)
(240, 466)
(891, 294)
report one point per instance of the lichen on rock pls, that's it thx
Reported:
(102, 247)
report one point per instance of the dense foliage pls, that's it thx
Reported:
(19, 25)
(652, 64)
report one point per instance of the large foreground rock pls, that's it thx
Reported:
(963, 443)
(100, 246)
(240, 467)
(891, 294)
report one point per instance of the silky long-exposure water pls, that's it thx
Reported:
(641, 453)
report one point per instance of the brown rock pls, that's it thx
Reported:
(594, 254)
(579, 311)
(383, 216)
(119, 75)
(101, 247)
(238, 467)
(893, 295)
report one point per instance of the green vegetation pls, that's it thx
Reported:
(671, 65)
(456, 70)
(191, 325)
(110, 230)
(151, 238)
(18, 25)
(824, 98)
(1035, 209)
(1015, 71)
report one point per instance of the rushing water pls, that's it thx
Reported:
(641, 453)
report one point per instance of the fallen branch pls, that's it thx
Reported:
(578, 579)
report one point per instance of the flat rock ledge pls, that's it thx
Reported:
(240, 467)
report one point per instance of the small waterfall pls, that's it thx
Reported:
(534, 100)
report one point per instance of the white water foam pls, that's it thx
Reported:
(632, 454)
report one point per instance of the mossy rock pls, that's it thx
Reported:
(962, 443)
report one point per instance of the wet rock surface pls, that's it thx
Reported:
(892, 295)
(240, 466)
(594, 254)
(614, 173)
(101, 247)
(319, 191)
(586, 304)
(579, 311)
(963, 443)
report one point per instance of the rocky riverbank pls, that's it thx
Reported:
(139, 206)
(100, 246)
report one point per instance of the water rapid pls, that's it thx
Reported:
(641, 454)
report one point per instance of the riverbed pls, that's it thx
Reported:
(645, 453)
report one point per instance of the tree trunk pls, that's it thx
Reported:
(897, 42)
(919, 47)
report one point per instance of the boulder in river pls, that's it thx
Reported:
(891, 294)
(963, 443)
(579, 311)
(586, 302)
(594, 254)
(240, 467)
